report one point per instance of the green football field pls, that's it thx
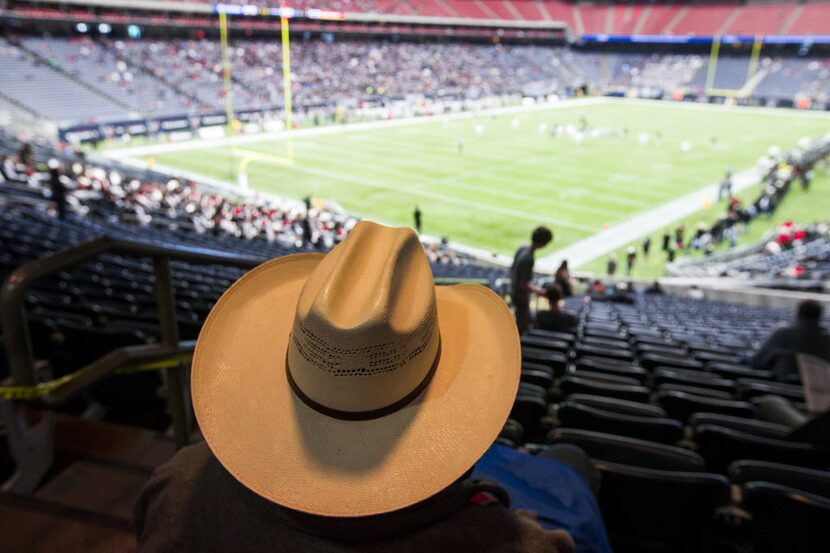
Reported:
(487, 180)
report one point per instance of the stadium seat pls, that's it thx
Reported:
(809, 480)
(743, 424)
(733, 371)
(620, 406)
(681, 406)
(661, 430)
(707, 357)
(750, 388)
(607, 343)
(654, 360)
(721, 446)
(612, 367)
(551, 335)
(621, 450)
(556, 360)
(691, 377)
(653, 510)
(604, 377)
(695, 390)
(784, 519)
(672, 351)
(575, 385)
(527, 410)
(582, 350)
(534, 373)
(539, 342)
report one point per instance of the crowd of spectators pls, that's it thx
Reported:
(81, 187)
(174, 76)
(780, 173)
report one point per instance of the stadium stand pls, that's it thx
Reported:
(655, 388)
(114, 80)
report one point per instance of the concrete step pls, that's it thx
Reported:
(29, 525)
(102, 489)
(128, 446)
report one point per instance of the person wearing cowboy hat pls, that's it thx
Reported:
(344, 399)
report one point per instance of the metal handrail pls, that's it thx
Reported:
(16, 331)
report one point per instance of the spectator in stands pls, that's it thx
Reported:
(562, 278)
(318, 461)
(9, 170)
(521, 275)
(57, 189)
(666, 241)
(777, 354)
(597, 289)
(26, 156)
(655, 288)
(611, 266)
(630, 259)
(554, 318)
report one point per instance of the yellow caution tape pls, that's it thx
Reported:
(45, 388)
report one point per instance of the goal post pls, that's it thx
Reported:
(752, 68)
(243, 158)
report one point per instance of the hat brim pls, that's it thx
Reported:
(292, 455)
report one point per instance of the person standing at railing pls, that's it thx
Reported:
(521, 276)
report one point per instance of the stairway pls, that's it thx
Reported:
(86, 502)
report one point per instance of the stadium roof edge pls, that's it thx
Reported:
(208, 8)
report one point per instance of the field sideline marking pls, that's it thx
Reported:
(197, 144)
(642, 224)
(778, 112)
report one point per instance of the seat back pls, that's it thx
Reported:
(556, 360)
(653, 360)
(611, 366)
(785, 520)
(692, 377)
(620, 406)
(681, 406)
(652, 510)
(527, 410)
(545, 343)
(743, 424)
(814, 481)
(574, 385)
(721, 446)
(695, 390)
(661, 430)
(629, 451)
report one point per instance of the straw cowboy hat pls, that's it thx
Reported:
(347, 384)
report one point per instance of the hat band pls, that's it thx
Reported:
(365, 415)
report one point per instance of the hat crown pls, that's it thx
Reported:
(365, 331)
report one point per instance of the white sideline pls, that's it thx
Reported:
(639, 225)
(140, 151)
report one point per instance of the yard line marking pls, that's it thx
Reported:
(442, 197)
(450, 181)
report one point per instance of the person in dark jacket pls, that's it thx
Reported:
(777, 354)
(340, 414)
(57, 189)
(521, 276)
(554, 318)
